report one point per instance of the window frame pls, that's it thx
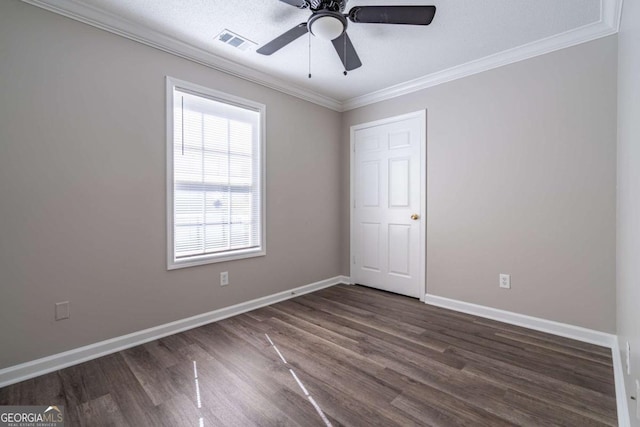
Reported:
(205, 92)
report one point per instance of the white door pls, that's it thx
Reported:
(388, 180)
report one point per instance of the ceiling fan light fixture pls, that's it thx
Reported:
(327, 27)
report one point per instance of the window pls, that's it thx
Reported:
(215, 169)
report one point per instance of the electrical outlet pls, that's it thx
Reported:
(628, 358)
(224, 278)
(505, 281)
(62, 310)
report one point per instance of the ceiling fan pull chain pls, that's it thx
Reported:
(344, 38)
(309, 54)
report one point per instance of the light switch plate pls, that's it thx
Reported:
(62, 310)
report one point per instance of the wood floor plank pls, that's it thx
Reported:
(482, 396)
(365, 357)
(82, 383)
(161, 353)
(101, 412)
(593, 404)
(369, 324)
(595, 376)
(425, 400)
(546, 345)
(134, 403)
(470, 346)
(149, 373)
(215, 403)
(260, 368)
(568, 343)
(550, 414)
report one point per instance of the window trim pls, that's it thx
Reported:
(173, 263)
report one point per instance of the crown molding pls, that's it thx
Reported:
(610, 11)
(117, 25)
(609, 23)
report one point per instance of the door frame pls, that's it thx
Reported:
(422, 115)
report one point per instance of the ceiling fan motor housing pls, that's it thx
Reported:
(330, 5)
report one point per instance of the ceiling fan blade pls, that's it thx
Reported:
(346, 52)
(297, 3)
(410, 15)
(284, 39)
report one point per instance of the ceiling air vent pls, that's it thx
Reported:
(235, 40)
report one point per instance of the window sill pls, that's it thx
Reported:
(215, 258)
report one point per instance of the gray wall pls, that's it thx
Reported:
(521, 175)
(628, 249)
(82, 189)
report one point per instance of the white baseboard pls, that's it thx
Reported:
(621, 392)
(556, 328)
(34, 368)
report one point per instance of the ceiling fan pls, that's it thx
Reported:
(328, 22)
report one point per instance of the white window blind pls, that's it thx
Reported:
(217, 178)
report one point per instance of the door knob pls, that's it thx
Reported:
(415, 217)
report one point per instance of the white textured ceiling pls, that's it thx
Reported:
(462, 31)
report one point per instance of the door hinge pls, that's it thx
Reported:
(354, 259)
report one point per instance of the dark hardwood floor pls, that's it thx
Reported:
(346, 355)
